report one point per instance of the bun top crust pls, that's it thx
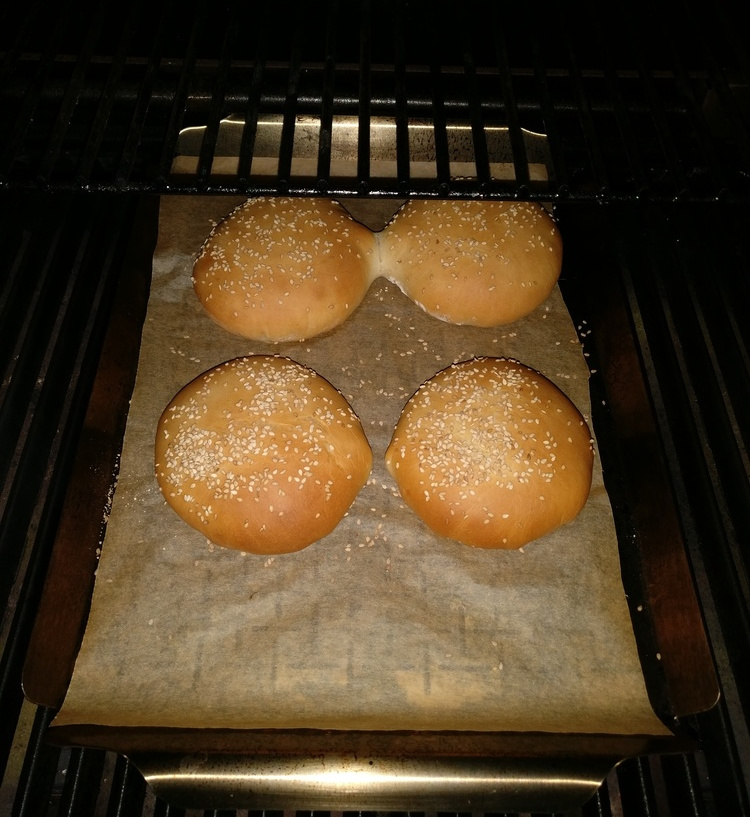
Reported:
(285, 269)
(492, 454)
(481, 263)
(278, 269)
(261, 454)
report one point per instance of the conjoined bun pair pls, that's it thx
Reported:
(264, 455)
(281, 269)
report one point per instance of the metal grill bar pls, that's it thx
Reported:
(93, 146)
(442, 159)
(520, 162)
(139, 109)
(327, 102)
(252, 110)
(739, 120)
(675, 173)
(81, 773)
(60, 127)
(560, 175)
(208, 147)
(402, 122)
(27, 367)
(601, 183)
(39, 770)
(476, 118)
(628, 136)
(363, 139)
(685, 323)
(286, 146)
(22, 120)
(180, 96)
(694, 106)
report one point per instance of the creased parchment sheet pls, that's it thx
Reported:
(381, 625)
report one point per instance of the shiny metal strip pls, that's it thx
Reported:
(342, 782)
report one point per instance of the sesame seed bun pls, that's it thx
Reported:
(480, 263)
(279, 269)
(492, 454)
(261, 454)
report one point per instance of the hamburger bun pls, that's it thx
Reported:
(480, 263)
(281, 269)
(261, 454)
(492, 454)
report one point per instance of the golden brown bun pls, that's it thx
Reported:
(492, 454)
(261, 454)
(279, 269)
(480, 263)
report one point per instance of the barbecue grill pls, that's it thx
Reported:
(632, 122)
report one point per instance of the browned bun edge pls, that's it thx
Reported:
(491, 453)
(261, 454)
(280, 269)
(480, 263)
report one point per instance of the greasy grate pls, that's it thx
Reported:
(95, 97)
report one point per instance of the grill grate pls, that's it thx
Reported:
(97, 100)
(650, 121)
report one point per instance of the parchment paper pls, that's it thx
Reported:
(381, 625)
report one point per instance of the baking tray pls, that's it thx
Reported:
(362, 770)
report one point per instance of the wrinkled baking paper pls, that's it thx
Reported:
(381, 625)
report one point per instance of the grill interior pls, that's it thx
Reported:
(94, 97)
(647, 154)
